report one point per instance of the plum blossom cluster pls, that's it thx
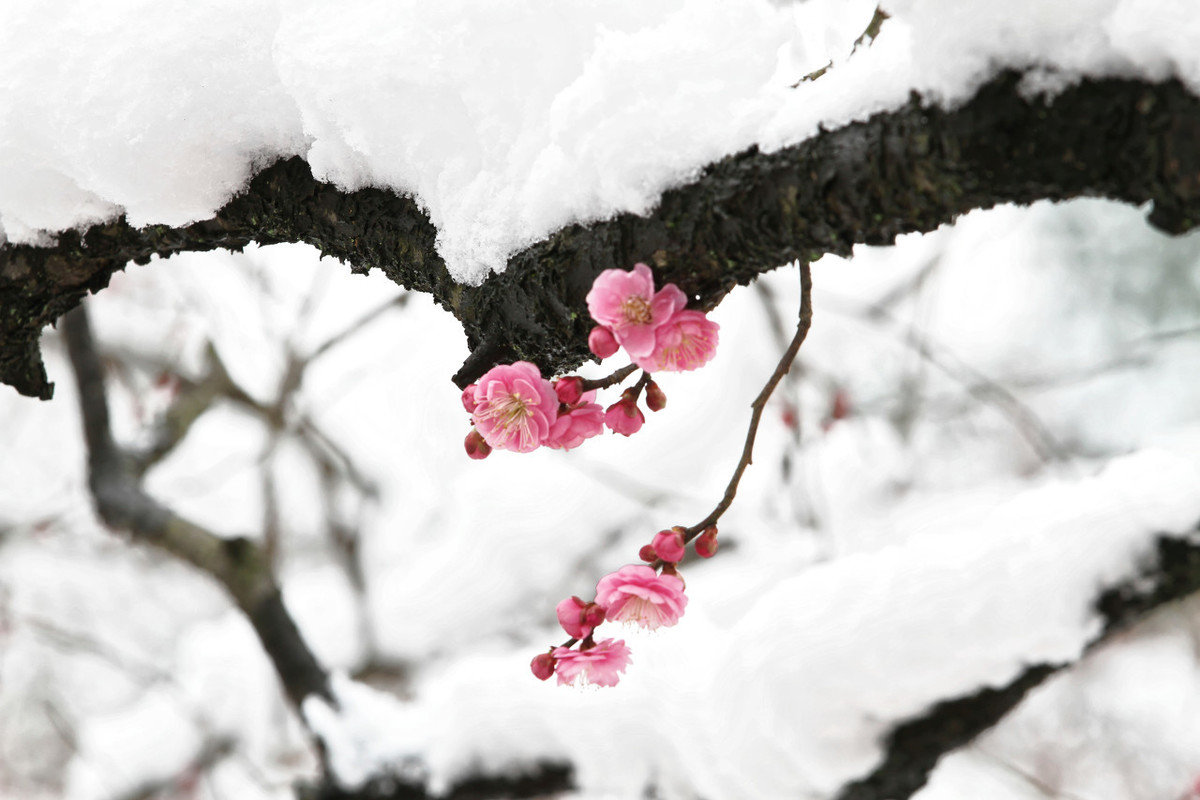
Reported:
(513, 407)
(653, 327)
(647, 595)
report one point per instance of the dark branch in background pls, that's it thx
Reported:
(237, 564)
(544, 780)
(913, 748)
(911, 169)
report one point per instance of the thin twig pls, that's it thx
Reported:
(864, 38)
(611, 380)
(760, 403)
(396, 302)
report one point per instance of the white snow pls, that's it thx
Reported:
(919, 549)
(507, 120)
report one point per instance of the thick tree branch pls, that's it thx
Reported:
(914, 747)
(911, 169)
(238, 564)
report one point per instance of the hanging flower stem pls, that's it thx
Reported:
(760, 402)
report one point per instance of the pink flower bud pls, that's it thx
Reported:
(669, 546)
(648, 553)
(569, 389)
(542, 666)
(579, 618)
(706, 543)
(477, 448)
(624, 417)
(655, 399)
(468, 398)
(601, 342)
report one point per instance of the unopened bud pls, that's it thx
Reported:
(542, 666)
(655, 399)
(624, 417)
(601, 342)
(477, 448)
(706, 543)
(468, 399)
(648, 554)
(669, 546)
(569, 389)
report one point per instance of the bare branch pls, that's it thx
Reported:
(238, 564)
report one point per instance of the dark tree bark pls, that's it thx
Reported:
(911, 169)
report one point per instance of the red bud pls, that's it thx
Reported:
(655, 399)
(477, 448)
(542, 666)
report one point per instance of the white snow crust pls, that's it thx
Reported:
(506, 119)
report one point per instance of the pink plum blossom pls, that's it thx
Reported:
(599, 665)
(578, 618)
(624, 417)
(515, 407)
(626, 304)
(636, 593)
(685, 342)
(578, 423)
(601, 342)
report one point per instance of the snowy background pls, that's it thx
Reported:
(1024, 417)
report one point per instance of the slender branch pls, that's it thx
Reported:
(238, 564)
(760, 403)
(610, 380)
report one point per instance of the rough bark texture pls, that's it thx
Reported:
(911, 169)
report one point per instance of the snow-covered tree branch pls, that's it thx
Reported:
(958, 527)
(907, 170)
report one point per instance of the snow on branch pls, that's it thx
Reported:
(910, 169)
